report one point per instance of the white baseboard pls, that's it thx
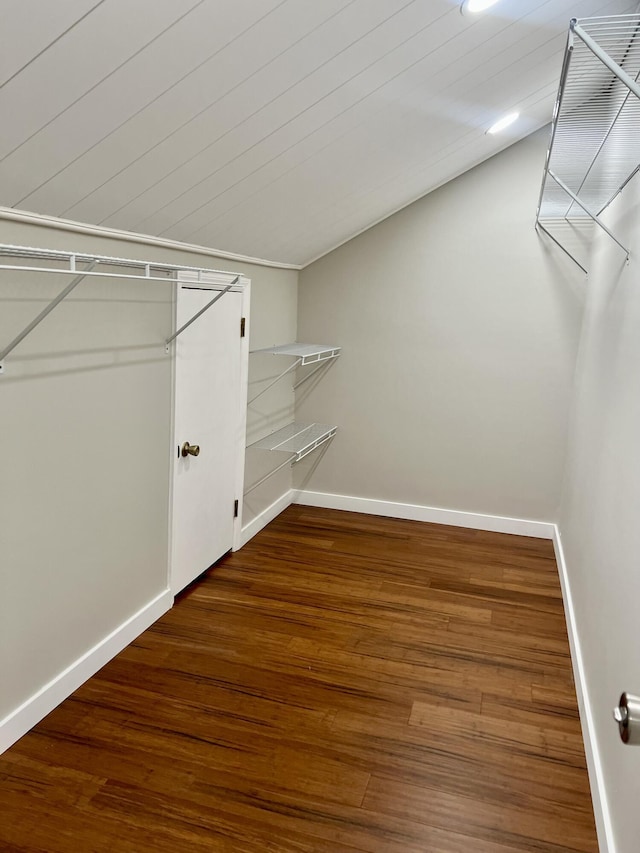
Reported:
(434, 515)
(267, 515)
(18, 722)
(602, 815)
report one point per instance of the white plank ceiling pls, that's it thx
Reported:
(271, 128)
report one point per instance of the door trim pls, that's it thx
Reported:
(213, 281)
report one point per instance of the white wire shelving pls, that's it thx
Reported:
(304, 354)
(307, 353)
(595, 136)
(296, 440)
(82, 265)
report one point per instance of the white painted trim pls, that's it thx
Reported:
(171, 455)
(267, 515)
(602, 815)
(29, 218)
(434, 515)
(23, 718)
(241, 439)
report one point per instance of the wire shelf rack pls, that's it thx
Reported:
(595, 136)
(83, 266)
(319, 354)
(307, 353)
(296, 440)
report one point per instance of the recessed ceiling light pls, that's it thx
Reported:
(476, 5)
(503, 123)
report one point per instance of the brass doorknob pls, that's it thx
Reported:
(190, 449)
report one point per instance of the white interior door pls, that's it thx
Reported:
(208, 405)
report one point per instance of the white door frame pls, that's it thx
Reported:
(214, 281)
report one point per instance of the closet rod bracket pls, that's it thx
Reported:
(291, 367)
(200, 312)
(541, 227)
(44, 313)
(587, 210)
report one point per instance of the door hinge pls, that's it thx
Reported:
(242, 327)
(235, 509)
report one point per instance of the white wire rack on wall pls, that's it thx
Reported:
(595, 136)
(304, 354)
(80, 265)
(296, 440)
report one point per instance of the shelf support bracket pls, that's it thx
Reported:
(201, 312)
(262, 480)
(291, 367)
(44, 313)
(560, 246)
(324, 364)
(587, 210)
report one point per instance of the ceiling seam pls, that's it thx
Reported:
(141, 222)
(200, 112)
(51, 43)
(337, 115)
(135, 115)
(302, 112)
(316, 130)
(351, 130)
(413, 200)
(95, 86)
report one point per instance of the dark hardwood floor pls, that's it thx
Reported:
(344, 683)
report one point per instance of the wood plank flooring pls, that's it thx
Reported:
(344, 683)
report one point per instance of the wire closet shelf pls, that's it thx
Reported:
(304, 354)
(82, 265)
(296, 440)
(595, 136)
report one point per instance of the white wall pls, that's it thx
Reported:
(460, 327)
(85, 419)
(600, 510)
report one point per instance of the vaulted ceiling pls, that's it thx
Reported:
(271, 128)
